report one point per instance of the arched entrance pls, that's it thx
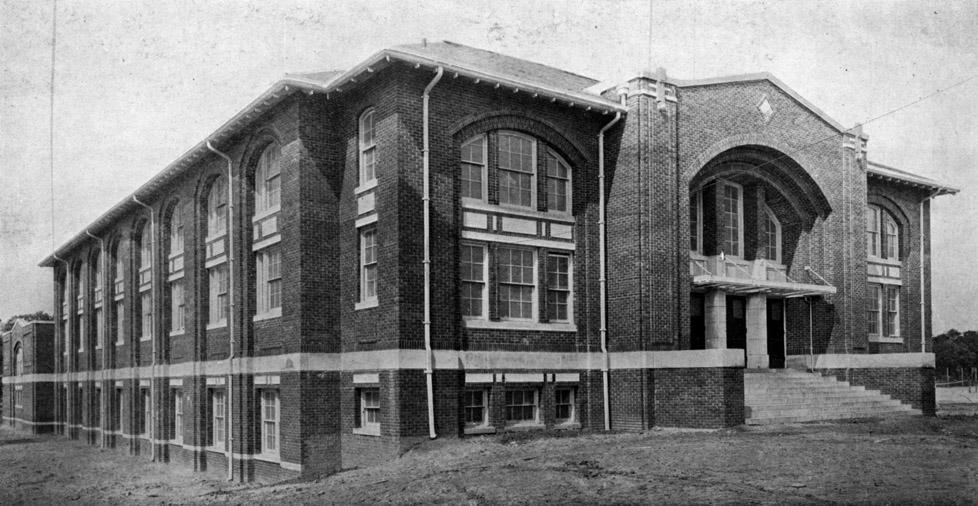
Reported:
(750, 206)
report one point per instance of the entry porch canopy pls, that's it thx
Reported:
(749, 277)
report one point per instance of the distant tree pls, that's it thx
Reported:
(39, 315)
(953, 349)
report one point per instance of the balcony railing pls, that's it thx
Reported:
(738, 275)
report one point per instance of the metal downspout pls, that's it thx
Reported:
(923, 306)
(104, 281)
(153, 329)
(231, 342)
(603, 266)
(428, 370)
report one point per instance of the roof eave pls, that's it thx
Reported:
(917, 182)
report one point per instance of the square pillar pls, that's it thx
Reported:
(715, 319)
(757, 357)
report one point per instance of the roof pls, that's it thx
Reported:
(456, 60)
(887, 173)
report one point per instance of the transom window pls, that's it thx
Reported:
(517, 170)
(731, 201)
(522, 406)
(474, 173)
(268, 182)
(368, 147)
(882, 234)
(517, 283)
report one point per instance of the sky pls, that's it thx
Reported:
(137, 83)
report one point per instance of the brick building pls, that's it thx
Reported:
(445, 241)
(27, 352)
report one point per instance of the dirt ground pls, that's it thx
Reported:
(919, 460)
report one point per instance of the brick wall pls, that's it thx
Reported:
(914, 386)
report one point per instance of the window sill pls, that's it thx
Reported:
(520, 325)
(219, 449)
(145, 339)
(886, 340)
(526, 427)
(174, 333)
(120, 343)
(887, 261)
(268, 457)
(219, 325)
(474, 431)
(367, 431)
(274, 313)
(367, 304)
(369, 185)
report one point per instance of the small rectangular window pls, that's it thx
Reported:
(564, 406)
(217, 419)
(473, 273)
(476, 408)
(368, 264)
(368, 413)
(559, 288)
(269, 422)
(177, 429)
(522, 407)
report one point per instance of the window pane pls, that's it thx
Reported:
(694, 221)
(558, 184)
(731, 219)
(472, 272)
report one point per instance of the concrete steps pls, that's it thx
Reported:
(776, 396)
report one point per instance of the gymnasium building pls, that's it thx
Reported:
(445, 242)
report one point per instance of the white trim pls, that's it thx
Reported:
(474, 323)
(864, 361)
(214, 262)
(219, 325)
(371, 361)
(177, 332)
(471, 205)
(366, 220)
(527, 242)
(369, 430)
(887, 340)
(371, 378)
(485, 170)
(367, 304)
(523, 377)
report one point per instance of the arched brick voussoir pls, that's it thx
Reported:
(512, 119)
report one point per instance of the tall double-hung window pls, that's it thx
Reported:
(216, 263)
(175, 272)
(268, 256)
(145, 282)
(885, 268)
(97, 300)
(367, 140)
(770, 243)
(732, 212)
(474, 174)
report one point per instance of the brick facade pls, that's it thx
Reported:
(325, 353)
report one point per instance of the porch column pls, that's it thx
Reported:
(715, 319)
(757, 357)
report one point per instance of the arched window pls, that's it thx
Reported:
(770, 247)
(118, 314)
(217, 208)
(882, 234)
(268, 183)
(558, 184)
(175, 226)
(368, 147)
(18, 360)
(145, 314)
(474, 174)
(145, 253)
(96, 260)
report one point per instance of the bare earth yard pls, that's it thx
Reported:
(919, 460)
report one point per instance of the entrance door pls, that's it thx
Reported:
(775, 333)
(697, 324)
(737, 323)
